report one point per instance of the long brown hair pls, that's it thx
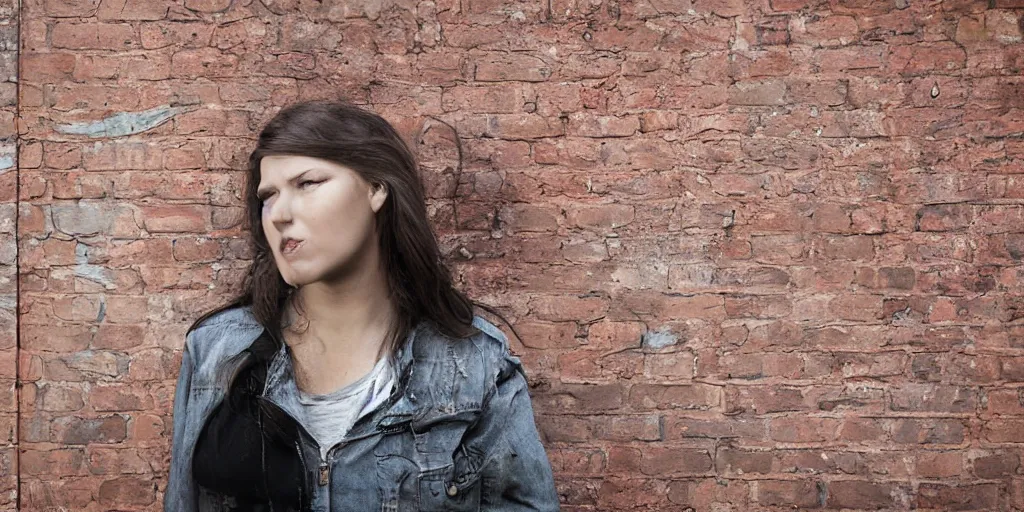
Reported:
(420, 285)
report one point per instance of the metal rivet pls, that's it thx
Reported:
(452, 490)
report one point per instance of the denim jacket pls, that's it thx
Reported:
(461, 435)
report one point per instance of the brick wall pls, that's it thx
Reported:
(762, 254)
(8, 253)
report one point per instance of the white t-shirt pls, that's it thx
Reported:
(329, 417)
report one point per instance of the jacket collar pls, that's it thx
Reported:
(401, 410)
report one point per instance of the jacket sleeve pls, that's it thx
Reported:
(516, 473)
(180, 495)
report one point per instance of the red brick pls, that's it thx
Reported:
(205, 62)
(118, 398)
(827, 31)
(928, 431)
(765, 92)
(581, 398)
(771, 239)
(544, 335)
(788, 493)
(806, 429)
(743, 462)
(58, 462)
(715, 427)
(516, 67)
(703, 493)
(589, 366)
(861, 495)
(998, 464)
(164, 219)
(657, 396)
(602, 217)
(127, 491)
(935, 398)
(958, 497)
(583, 308)
(609, 428)
(159, 34)
(940, 464)
(93, 36)
(669, 461)
(618, 494)
(926, 58)
(819, 462)
(1004, 431)
(862, 430)
(1006, 402)
(54, 397)
(103, 430)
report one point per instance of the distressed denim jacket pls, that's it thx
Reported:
(461, 436)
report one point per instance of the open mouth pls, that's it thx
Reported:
(290, 245)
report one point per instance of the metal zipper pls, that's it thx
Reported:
(325, 467)
(300, 427)
(325, 473)
(305, 477)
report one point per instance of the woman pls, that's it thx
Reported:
(349, 374)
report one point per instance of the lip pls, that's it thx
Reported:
(284, 242)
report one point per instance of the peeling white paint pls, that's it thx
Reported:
(660, 339)
(122, 123)
(94, 273)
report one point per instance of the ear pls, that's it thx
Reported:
(378, 193)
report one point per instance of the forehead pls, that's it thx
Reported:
(282, 167)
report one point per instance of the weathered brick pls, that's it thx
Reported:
(789, 493)
(729, 460)
(958, 497)
(940, 464)
(657, 396)
(581, 397)
(998, 464)
(668, 461)
(717, 234)
(928, 431)
(862, 495)
(103, 430)
(803, 429)
(127, 491)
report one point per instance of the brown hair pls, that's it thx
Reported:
(420, 284)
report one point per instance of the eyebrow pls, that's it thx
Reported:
(262, 190)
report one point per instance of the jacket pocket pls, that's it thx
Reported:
(455, 487)
(449, 477)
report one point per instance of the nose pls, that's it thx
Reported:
(278, 210)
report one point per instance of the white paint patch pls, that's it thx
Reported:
(122, 123)
(660, 339)
(93, 273)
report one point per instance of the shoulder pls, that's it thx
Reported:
(490, 340)
(493, 343)
(460, 373)
(221, 336)
(488, 343)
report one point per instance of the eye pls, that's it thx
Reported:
(303, 183)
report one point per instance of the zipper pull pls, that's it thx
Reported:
(325, 473)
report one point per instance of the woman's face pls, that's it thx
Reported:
(327, 209)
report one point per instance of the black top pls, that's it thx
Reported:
(249, 449)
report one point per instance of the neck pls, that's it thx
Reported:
(349, 316)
